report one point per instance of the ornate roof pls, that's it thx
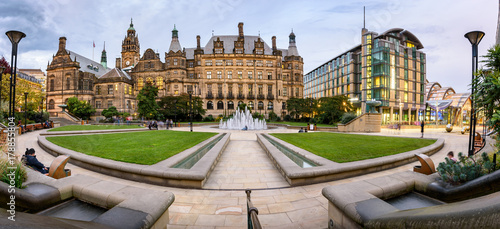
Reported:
(229, 44)
(88, 65)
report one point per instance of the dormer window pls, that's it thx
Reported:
(218, 51)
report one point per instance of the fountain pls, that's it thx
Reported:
(242, 119)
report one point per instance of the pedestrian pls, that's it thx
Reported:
(422, 129)
(167, 122)
(451, 156)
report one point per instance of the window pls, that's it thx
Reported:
(52, 104)
(210, 105)
(175, 62)
(269, 75)
(209, 88)
(259, 63)
(208, 62)
(218, 62)
(140, 83)
(250, 105)
(250, 74)
(128, 104)
(220, 105)
(110, 89)
(230, 74)
(168, 62)
(259, 75)
(98, 89)
(159, 82)
(259, 87)
(110, 103)
(229, 62)
(285, 91)
(190, 64)
(250, 89)
(260, 105)
(218, 51)
(249, 62)
(97, 104)
(191, 75)
(269, 105)
(230, 105)
(283, 105)
(219, 75)
(68, 83)
(209, 75)
(51, 86)
(240, 74)
(239, 62)
(269, 89)
(269, 63)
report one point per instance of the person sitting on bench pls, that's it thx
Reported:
(32, 162)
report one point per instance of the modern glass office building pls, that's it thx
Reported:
(387, 67)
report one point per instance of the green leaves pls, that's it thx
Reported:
(80, 109)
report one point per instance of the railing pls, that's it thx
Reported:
(260, 96)
(252, 213)
(220, 96)
(241, 96)
(209, 96)
(250, 96)
(230, 96)
(270, 96)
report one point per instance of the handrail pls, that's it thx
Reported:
(252, 213)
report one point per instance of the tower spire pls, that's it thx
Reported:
(364, 20)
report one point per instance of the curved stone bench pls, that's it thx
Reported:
(160, 173)
(129, 207)
(329, 170)
(74, 132)
(361, 204)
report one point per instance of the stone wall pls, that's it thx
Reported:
(368, 122)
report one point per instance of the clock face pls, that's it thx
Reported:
(127, 63)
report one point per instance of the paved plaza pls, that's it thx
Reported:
(244, 164)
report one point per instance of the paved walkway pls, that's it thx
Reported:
(244, 164)
(294, 207)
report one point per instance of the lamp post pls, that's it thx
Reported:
(474, 38)
(14, 37)
(2, 68)
(190, 92)
(25, 107)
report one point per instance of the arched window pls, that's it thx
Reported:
(260, 105)
(220, 105)
(51, 85)
(52, 104)
(239, 103)
(270, 105)
(230, 105)
(159, 82)
(250, 105)
(210, 105)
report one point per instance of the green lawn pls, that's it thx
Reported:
(352, 147)
(148, 147)
(304, 124)
(94, 127)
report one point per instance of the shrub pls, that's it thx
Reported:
(20, 174)
(209, 118)
(347, 117)
(465, 169)
(257, 115)
(287, 118)
(273, 117)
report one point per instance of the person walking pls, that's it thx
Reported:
(422, 129)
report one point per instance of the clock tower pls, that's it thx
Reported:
(130, 48)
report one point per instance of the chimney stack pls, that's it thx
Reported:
(198, 42)
(274, 42)
(62, 43)
(118, 63)
(240, 29)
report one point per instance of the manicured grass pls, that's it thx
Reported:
(301, 124)
(94, 127)
(352, 147)
(148, 147)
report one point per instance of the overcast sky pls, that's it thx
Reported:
(324, 28)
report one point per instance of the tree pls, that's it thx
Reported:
(80, 109)
(147, 106)
(178, 106)
(331, 109)
(487, 88)
(297, 107)
(110, 112)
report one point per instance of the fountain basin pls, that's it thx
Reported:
(74, 209)
(298, 159)
(192, 159)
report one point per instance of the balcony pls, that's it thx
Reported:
(230, 96)
(250, 96)
(220, 96)
(241, 96)
(260, 96)
(270, 96)
(209, 95)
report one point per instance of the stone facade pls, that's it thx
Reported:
(228, 71)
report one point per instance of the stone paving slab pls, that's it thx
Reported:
(193, 199)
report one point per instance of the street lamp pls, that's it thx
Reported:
(25, 107)
(474, 38)
(190, 92)
(14, 37)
